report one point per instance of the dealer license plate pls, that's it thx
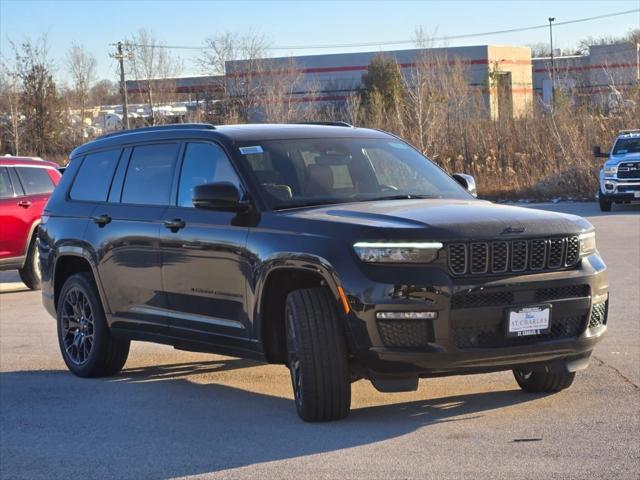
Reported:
(529, 321)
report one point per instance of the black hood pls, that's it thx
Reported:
(448, 219)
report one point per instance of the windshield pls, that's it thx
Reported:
(303, 172)
(627, 145)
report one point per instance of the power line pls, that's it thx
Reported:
(403, 42)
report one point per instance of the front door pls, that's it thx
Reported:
(204, 258)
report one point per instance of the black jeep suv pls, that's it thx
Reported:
(340, 252)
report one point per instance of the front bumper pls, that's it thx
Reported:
(469, 333)
(614, 189)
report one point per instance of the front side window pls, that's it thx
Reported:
(94, 178)
(149, 174)
(203, 163)
(336, 170)
(35, 180)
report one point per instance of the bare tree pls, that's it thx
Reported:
(152, 67)
(9, 110)
(82, 70)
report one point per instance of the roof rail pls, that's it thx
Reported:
(328, 124)
(169, 126)
(624, 132)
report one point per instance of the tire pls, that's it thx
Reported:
(543, 381)
(317, 356)
(86, 343)
(605, 205)
(30, 271)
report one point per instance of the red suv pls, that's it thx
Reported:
(25, 186)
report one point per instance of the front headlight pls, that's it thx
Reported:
(610, 171)
(397, 252)
(587, 243)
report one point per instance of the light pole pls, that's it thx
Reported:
(553, 70)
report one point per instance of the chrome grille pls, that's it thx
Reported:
(502, 256)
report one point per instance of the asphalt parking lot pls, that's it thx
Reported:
(176, 414)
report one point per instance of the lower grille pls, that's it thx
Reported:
(406, 333)
(555, 293)
(599, 314)
(494, 335)
(506, 298)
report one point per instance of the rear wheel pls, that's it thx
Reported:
(86, 343)
(30, 271)
(542, 380)
(317, 356)
(605, 205)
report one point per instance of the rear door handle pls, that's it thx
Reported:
(101, 220)
(175, 224)
(24, 203)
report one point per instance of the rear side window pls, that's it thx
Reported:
(94, 178)
(35, 180)
(149, 175)
(6, 190)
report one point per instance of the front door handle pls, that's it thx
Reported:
(24, 204)
(101, 220)
(175, 224)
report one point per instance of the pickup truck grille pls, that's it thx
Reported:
(512, 256)
(629, 170)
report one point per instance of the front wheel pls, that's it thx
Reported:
(317, 356)
(605, 205)
(542, 380)
(86, 343)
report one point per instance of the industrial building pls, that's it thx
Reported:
(507, 78)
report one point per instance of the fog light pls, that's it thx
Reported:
(608, 186)
(406, 315)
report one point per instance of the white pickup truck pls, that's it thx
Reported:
(620, 174)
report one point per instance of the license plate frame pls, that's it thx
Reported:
(517, 318)
(636, 194)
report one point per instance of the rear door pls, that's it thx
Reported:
(32, 186)
(126, 230)
(205, 261)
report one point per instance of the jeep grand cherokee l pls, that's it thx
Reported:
(340, 252)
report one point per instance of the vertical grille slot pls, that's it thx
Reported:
(458, 258)
(499, 257)
(556, 252)
(479, 258)
(519, 255)
(573, 251)
(537, 254)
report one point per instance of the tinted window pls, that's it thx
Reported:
(203, 163)
(94, 178)
(17, 186)
(35, 180)
(334, 170)
(149, 175)
(6, 190)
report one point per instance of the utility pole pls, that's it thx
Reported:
(120, 55)
(553, 69)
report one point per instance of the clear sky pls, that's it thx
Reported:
(96, 24)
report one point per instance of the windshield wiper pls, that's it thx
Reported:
(406, 196)
(317, 203)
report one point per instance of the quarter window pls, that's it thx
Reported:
(203, 163)
(94, 178)
(6, 190)
(149, 175)
(36, 181)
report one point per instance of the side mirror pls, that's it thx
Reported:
(218, 196)
(467, 182)
(598, 153)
